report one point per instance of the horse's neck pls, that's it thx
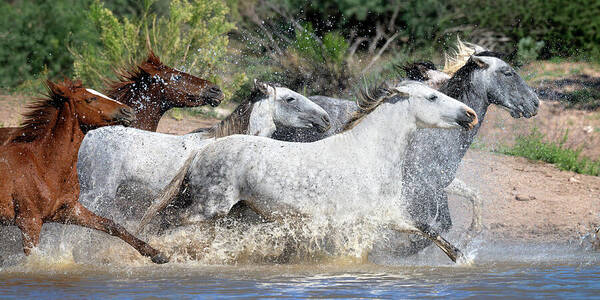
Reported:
(379, 142)
(236, 123)
(145, 100)
(472, 92)
(261, 119)
(61, 141)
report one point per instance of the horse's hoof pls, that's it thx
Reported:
(160, 259)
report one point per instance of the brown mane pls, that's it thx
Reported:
(118, 89)
(44, 111)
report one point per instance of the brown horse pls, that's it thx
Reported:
(38, 164)
(153, 88)
(6, 134)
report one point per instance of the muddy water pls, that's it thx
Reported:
(365, 281)
(65, 269)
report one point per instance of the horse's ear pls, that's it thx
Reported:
(55, 89)
(263, 87)
(153, 59)
(152, 64)
(478, 49)
(478, 61)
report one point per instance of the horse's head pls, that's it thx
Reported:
(504, 86)
(293, 110)
(433, 109)
(179, 88)
(91, 108)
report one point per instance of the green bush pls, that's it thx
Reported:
(534, 146)
(587, 98)
(33, 38)
(567, 27)
(192, 37)
(528, 50)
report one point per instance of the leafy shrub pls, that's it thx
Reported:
(33, 36)
(192, 37)
(317, 65)
(567, 27)
(534, 146)
(587, 98)
(528, 50)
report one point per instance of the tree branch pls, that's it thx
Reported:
(376, 57)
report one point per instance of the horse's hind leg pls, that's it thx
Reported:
(459, 188)
(79, 215)
(428, 232)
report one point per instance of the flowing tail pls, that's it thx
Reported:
(167, 194)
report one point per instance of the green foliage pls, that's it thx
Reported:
(316, 64)
(534, 146)
(332, 51)
(192, 37)
(335, 47)
(33, 36)
(567, 27)
(528, 50)
(587, 98)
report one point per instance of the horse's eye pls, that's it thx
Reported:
(432, 98)
(175, 77)
(90, 100)
(507, 73)
(290, 100)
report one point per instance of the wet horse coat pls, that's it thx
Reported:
(333, 177)
(39, 182)
(152, 88)
(122, 169)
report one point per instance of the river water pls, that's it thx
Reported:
(503, 269)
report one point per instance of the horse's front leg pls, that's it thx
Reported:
(30, 227)
(79, 215)
(430, 233)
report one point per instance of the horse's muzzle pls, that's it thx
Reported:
(467, 119)
(323, 124)
(213, 96)
(125, 116)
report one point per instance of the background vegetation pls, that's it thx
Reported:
(319, 46)
(535, 146)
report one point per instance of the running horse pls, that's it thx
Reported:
(151, 89)
(38, 163)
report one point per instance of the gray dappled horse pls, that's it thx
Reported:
(354, 175)
(122, 169)
(479, 78)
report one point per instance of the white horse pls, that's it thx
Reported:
(121, 169)
(334, 177)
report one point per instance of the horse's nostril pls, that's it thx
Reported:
(326, 119)
(125, 111)
(215, 90)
